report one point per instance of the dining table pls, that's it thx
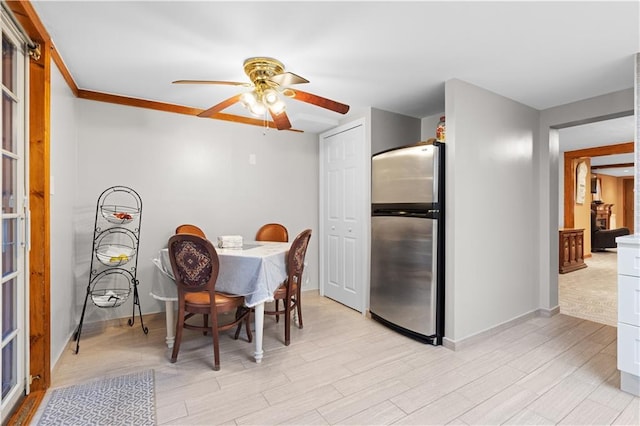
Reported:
(254, 271)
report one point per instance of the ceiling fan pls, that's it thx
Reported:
(269, 84)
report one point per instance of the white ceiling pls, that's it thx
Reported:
(613, 171)
(393, 56)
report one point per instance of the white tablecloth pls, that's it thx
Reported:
(255, 272)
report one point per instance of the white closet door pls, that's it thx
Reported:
(344, 211)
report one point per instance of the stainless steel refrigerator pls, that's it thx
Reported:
(407, 240)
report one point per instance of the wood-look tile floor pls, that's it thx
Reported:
(346, 369)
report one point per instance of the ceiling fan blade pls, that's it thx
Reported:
(219, 107)
(227, 83)
(288, 78)
(317, 100)
(281, 120)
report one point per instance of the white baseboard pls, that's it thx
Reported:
(548, 313)
(464, 342)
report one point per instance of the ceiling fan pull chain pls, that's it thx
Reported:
(266, 125)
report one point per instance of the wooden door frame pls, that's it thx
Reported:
(569, 175)
(39, 205)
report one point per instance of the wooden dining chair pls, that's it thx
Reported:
(187, 228)
(273, 232)
(195, 266)
(289, 291)
(190, 229)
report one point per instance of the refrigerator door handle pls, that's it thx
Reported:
(399, 212)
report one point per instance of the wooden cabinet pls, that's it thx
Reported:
(571, 250)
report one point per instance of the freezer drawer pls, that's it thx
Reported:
(403, 272)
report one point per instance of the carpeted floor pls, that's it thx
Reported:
(122, 400)
(592, 293)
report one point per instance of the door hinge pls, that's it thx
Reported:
(32, 378)
(35, 51)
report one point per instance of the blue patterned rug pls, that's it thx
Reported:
(123, 400)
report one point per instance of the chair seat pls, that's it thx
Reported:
(281, 292)
(223, 301)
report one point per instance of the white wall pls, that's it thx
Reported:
(491, 210)
(190, 170)
(63, 139)
(561, 190)
(391, 130)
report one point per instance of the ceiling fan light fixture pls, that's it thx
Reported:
(251, 102)
(277, 107)
(268, 85)
(257, 109)
(270, 96)
(248, 98)
(273, 102)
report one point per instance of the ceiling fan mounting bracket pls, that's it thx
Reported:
(260, 70)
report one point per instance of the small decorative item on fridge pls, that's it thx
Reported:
(441, 130)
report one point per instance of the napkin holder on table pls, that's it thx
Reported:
(230, 241)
